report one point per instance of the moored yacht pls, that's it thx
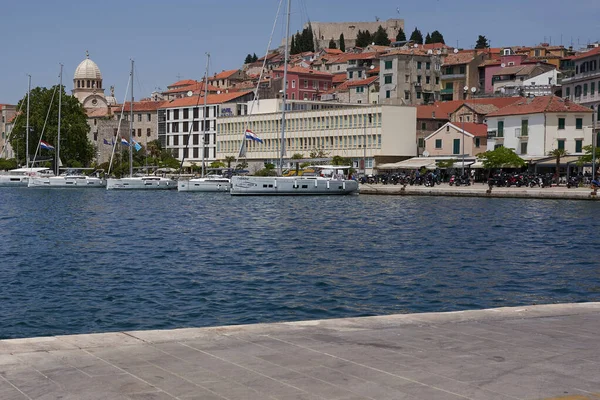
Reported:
(22, 176)
(69, 179)
(210, 183)
(149, 182)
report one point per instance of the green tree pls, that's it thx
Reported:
(558, 153)
(318, 152)
(363, 38)
(482, 42)
(332, 44)
(437, 37)
(342, 43)
(428, 39)
(341, 161)
(293, 46)
(75, 147)
(417, 36)
(229, 160)
(248, 59)
(297, 156)
(501, 157)
(254, 57)
(380, 37)
(6, 164)
(401, 36)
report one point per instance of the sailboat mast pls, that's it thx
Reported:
(205, 111)
(27, 125)
(131, 126)
(284, 84)
(59, 115)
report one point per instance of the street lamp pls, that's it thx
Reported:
(466, 90)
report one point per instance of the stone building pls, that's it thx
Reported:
(323, 32)
(7, 115)
(460, 70)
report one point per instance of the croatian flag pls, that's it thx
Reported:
(46, 146)
(124, 141)
(252, 135)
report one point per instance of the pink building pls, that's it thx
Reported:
(304, 83)
(491, 67)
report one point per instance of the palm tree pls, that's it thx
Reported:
(558, 153)
(297, 156)
(229, 160)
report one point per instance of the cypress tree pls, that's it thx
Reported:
(380, 37)
(437, 37)
(254, 58)
(248, 59)
(401, 36)
(417, 36)
(342, 43)
(293, 45)
(482, 42)
(428, 39)
(332, 44)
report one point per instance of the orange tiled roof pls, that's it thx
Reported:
(362, 82)
(339, 78)
(593, 52)
(434, 46)
(224, 74)
(407, 52)
(477, 130)
(459, 58)
(345, 57)
(183, 82)
(333, 51)
(138, 106)
(374, 71)
(199, 100)
(442, 109)
(541, 104)
(195, 86)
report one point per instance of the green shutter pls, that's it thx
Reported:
(438, 143)
(578, 146)
(578, 123)
(524, 127)
(456, 149)
(561, 144)
(561, 123)
(500, 128)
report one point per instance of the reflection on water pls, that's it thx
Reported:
(77, 261)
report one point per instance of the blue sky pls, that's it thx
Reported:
(170, 39)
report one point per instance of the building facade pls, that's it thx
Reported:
(460, 70)
(457, 139)
(534, 127)
(410, 77)
(304, 83)
(373, 133)
(584, 86)
(323, 32)
(7, 115)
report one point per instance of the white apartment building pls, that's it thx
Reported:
(182, 128)
(535, 126)
(584, 86)
(375, 133)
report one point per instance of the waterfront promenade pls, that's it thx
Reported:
(529, 352)
(481, 190)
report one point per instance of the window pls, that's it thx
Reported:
(500, 128)
(293, 84)
(148, 117)
(585, 88)
(139, 117)
(406, 95)
(561, 144)
(176, 140)
(449, 70)
(175, 114)
(418, 78)
(578, 145)
(477, 142)
(423, 125)
(406, 78)
(421, 142)
(388, 64)
(418, 95)
(449, 86)
(438, 143)
(427, 79)
(561, 123)
(578, 123)
(524, 127)
(427, 65)
(437, 80)
(593, 88)
(568, 92)
(306, 84)
(186, 126)
(315, 84)
(456, 146)
(148, 133)
(387, 79)
(186, 113)
(388, 94)
(419, 64)
(523, 147)
(196, 112)
(462, 69)
(139, 132)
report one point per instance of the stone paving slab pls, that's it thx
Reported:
(534, 352)
(481, 190)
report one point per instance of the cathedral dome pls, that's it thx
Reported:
(87, 69)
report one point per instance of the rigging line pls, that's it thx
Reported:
(44, 128)
(205, 84)
(10, 135)
(119, 125)
(256, 92)
(140, 84)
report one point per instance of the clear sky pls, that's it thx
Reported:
(169, 39)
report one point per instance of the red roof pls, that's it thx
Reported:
(541, 104)
(305, 71)
(224, 74)
(477, 130)
(339, 78)
(442, 109)
(434, 46)
(199, 100)
(345, 57)
(194, 86)
(183, 82)
(139, 106)
(333, 51)
(459, 58)
(593, 52)
(362, 82)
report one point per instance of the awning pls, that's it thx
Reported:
(551, 162)
(412, 163)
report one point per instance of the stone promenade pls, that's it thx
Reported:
(532, 352)
(481, 190)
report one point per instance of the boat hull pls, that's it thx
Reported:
(279, 186)
(78, 182)
(13, 181)
(204, 185)
(136, 183)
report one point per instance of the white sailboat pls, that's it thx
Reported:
(72, 178)
(209, 183)
(20, 177)
(334, 184)
(151, 182)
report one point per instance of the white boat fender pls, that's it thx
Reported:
(316, 183)
(275, 184)
(327, 184)
(344, 185)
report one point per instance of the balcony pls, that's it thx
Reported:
(447, 91)
(581, 77)
(451, 77)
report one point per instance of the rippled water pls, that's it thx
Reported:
(77, 261)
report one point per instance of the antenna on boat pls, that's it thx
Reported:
(284, 84)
